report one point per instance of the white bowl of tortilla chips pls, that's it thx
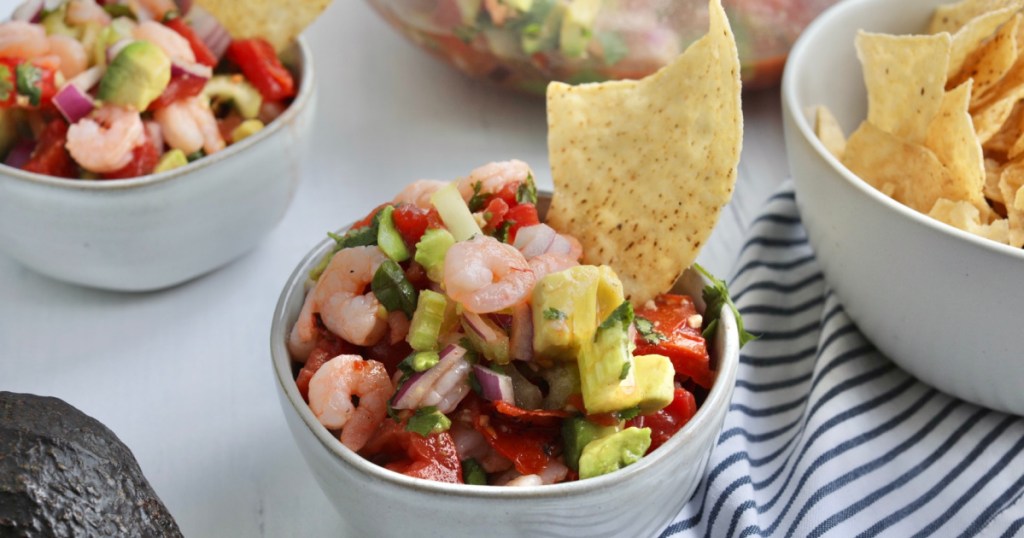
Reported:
(910, 190)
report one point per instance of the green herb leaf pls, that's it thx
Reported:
(28, 78)
(473, 473)
(501, 234)
(716, 295)
(613, 47)
(122, 10)
(627, 414)
(428, 420)
(527, 191)
(359, 237)
(479, 199)
(625, 370)
(6, 82)
(554, 314)
(647, 331)
(393, 290)
(622, 314)
(199, 154)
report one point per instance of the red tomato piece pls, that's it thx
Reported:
(683, 344)
(433, 457)
(495, 212)
(50, 157)
(411, 222)
(259, 63)
(203, 53)
(434, 221)
(178, 88)
(42, 74)
(521, 215)
(508, 193)
(529, 447)
(551, 418)
(365, 221)
(145, 156)
(666, 422)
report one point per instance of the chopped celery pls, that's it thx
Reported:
(424, 360)
(430, 252)
(428, 420)
(388, 237)
(454, 212)
(487, 337)
(425, 327)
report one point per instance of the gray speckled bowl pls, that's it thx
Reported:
(636, 501)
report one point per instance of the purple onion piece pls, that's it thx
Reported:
(494, 386)
(20, 154)
(444, 385)
(210, 31)
(191, 70)
(73, 103)
(534, 240)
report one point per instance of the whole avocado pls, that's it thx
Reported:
(63, 473)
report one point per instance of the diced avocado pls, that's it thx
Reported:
(578, 27)
(577, 433)
(563, 381)
(614, 452)
(469, 9)
(497, 349)
(518, 5)
(539, 30)
(54, 23)
(246, 129)
(136, 76)
(170, 160)
(565, 312)
(242, 95)
(388, 237)
(607, 375)
(430, 252)
(425, 327)
(654, 377)
(610, 294)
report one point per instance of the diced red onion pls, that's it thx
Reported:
(88, 78)
(20, 154)
(520, 345)
(534, 240)
(117, 47)
(184, 6)
(191, 70)
(482, 329)
(73, 103)
(494, 386)
(210, 31)
(443, 386)
(28, 11)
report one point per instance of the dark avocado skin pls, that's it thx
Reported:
(63, 473)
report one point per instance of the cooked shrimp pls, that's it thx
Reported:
(486, 275)
(104, 140)
(418, 193)
(22, 40)
(332, 388)
(338, 298)
(174, 46)
(545, 264)
(156, 8)
(73, 58)
(189, 125)
(493, 176)
(86, 11)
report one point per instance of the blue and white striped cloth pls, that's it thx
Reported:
(827, 437)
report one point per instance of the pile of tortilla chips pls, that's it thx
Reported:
(643, 168)
(945, 127)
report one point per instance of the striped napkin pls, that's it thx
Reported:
(826, 436)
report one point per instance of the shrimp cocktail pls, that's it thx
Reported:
(459, 334)
(117, 89)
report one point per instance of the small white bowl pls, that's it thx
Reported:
(943, 304)
(162, 229)
(638, 500)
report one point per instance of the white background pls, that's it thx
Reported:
(183, 375)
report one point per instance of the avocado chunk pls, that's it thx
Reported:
(565, 312)
(63, 473)
(242, 95)
(614, 452)
(171, 160)
(578, 27)
(577, 433)
(246, 129)
(389, 239)
(654, 378)
(136, 76)
(430, 252)
(607, 374)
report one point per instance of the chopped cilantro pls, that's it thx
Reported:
(554, 314)
(194, 156)
(479, 199)
(121, 10)
(6, 84)
(428, 420)
(647, 331)
(28, 78)
(625, 370)
(622, 314)
(527, 191)
(473, 473)
(501, 234)
(716, 295)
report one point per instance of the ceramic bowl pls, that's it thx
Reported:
(943, 304)
(636, 501)
(162, 229)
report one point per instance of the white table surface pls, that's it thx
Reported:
(183, 375)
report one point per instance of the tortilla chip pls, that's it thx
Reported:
(965, 216)
(916, 176)
(992, 172)
(826, 126)
(952, 139)
(906, 80)
(1001, 144)
(952, 17)
(1010, 183)
(277, 21)
(988, 63)
(643, 168)
(970, 38)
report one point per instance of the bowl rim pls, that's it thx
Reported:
(796, 66)
(718, 397)
(301, 101)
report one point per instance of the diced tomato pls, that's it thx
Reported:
(411, 222)
(529, 446)
(178, 88)
(40, 75)
(495, 212)
(433, 457)
(666, 422)
(8, 82)
(683, 344)
(508, 193)
(388, 354)
(50, 157)
(365, 221)
(144, 159)
(203, 53)
(551, 418)
(521, 215)
(259, 63)
(434, 221)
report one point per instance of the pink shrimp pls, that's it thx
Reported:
(157, 9)
(493, 176)
(486, 275)
(339, 299)
(86, 11)
(189, 125)
(104, 140)
(174, 46)
(418, 193)
(545, 264)
(73, 58)
(332, 388)
(22, 40)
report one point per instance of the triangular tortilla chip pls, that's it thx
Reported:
(277, 21)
